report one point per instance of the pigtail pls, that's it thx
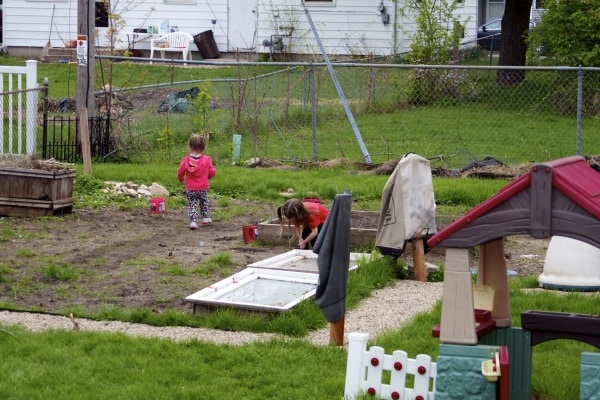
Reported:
(280, 216)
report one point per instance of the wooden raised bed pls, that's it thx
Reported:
(26, 192)
(268, 232)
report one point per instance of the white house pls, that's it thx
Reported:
(345, 27)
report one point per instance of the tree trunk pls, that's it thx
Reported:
(515, 24)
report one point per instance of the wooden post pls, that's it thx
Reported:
(86, 17)
(418, 253)
(336, 333)
(85, 140)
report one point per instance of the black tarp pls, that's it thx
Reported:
(333, 260)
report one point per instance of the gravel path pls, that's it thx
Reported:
(387, 309)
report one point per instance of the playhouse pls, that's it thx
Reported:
(557, 198)
(481, 356)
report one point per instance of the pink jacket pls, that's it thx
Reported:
(195, 172)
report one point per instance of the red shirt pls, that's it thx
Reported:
(317, 214)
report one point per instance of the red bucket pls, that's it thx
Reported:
(157, 205)
(311, 200)
(250, 233)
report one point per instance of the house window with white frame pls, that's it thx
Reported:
(318, 2)
(495, 9)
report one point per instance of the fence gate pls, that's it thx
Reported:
(18, 106)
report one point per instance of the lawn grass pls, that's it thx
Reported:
(267, 184)
(83, 365)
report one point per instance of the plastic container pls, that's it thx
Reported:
(157, 205)
(250, 233)
(570, 264)
(237, 145)
(206, 44)
(164, 27)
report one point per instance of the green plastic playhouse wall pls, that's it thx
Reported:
(459, 373)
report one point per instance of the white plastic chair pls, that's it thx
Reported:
(174, 41)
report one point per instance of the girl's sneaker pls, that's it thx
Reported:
(193, 225)
(206, 221)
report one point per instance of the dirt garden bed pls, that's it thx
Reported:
(92, 258)
(137, 259)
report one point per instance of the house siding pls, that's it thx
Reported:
(347, 27)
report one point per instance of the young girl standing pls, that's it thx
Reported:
(195, 170)
(307, 217)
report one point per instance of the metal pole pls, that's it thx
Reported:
(579, 110)
(365, 153)
(304, 95)
(313, 103)
(45, 119)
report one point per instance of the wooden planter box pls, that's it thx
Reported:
(35, 192)
(268, 232)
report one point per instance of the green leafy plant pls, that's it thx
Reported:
(436, 276)
(437, 30)
(201, 107)
(165, 141)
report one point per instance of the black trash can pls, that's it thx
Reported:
(206, 44)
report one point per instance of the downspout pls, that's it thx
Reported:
(395, 34)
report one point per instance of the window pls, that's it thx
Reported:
(101, 16)
(180, 2)
(318, 2)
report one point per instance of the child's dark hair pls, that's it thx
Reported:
(198, 142)
(293, 208)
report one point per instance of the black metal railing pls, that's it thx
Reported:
(61, 139)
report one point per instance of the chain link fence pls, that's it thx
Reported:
(369, 113)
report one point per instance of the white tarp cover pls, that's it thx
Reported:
(407, 205)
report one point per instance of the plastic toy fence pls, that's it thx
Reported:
(364, 372)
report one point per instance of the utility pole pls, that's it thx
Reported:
(86, 51)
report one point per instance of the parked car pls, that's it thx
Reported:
(489, 35)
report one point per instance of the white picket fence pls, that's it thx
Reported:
(18, 106)
(365, 372)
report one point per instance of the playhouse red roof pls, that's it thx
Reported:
(560, 197)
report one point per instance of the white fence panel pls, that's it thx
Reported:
(18, 106)
(365, 372)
